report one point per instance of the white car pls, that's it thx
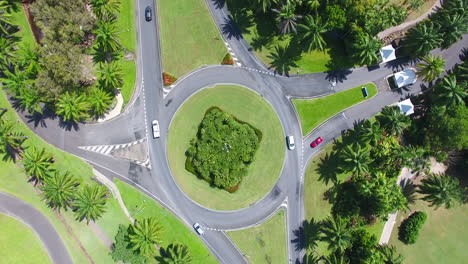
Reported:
(290, 141)
(198, 228)
(156, 133)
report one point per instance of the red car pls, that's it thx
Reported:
(316, 142)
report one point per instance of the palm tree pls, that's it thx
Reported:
(144, 234)
(105, 9)
(110, 76)
(336, 258)
(10, 140)
(264, 5)
(286, 18)
(29, 60)
(7, 54)
(453, 27)
(441, 190)
(390, 255)
(432, 68)
(392, 121)
(423, 38)
(312, 31)
(37, 164)
(311, 258)
(282, 60)
(356, 159)
(90, 202)
(366, 49)
(450, 93)
(99, 102)
(72, 107)
(337, 233)
(30, 100)
(15, 81)
(415, 158)
(175, 254)
(9, 5)
(107, 36)
(5, 23)
(373, 133)
(59, 190)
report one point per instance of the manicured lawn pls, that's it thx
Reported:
(129, 69)
(19, 243)
(268, 160)
(189, 36)
(25, 33)
(265, 243)
(442, 239)
(174, 231)
(314, 192)
(312, 112)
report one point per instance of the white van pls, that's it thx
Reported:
(290, 141)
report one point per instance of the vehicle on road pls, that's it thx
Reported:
(290, 141)
(148, 14)
(316, 142)
(364, 92)
(198, 228)
(156, 132)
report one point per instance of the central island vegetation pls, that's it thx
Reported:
(222, 149)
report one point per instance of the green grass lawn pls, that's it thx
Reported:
(19, 243)
(442, 239)
(265, 243)
(268, 160)
(314, 203)
(189, 36)
(313, 112)
(174, 231)
(25, 33)
(129, 69)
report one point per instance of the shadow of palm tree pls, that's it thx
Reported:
(284, 59)
(329, 168)
(307, 236)
(219, 3)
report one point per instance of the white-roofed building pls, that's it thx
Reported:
(405, 77)
(387, 53)
(406, 107)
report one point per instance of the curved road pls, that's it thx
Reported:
(150, 104)
(32, 217)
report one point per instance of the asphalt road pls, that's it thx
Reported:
(29, 215)
(149, 104)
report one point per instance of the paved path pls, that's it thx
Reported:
(32, 217)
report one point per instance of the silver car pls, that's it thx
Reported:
(198, 228)
(156, 133)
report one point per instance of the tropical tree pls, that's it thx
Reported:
(356, 159)
(107, 36)
(449, 92)
(264, 5)
(9, 5)
(99, 102)
(287, 18)
(144, 234)
(105, 9)
(37, 164)
(282, 60)
(392, 121)
(15, 81)
(337, 233)
(312, 233)
(72, 107)
(441, 190)
(453, 27)
(415, 158)
(30, 100)
(29, 60)
(366, 49)
(389, 254)
(372, 133)
(90, 202)
(10, 139)
(311, 32)
(175, 254)
(5, 23)
(7, 54)
(311, 258)
(432, 68)
(336, 258)
(423, 38)
(59, 190)
(110, 76)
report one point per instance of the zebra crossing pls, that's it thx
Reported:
(233, 55)
(146, 163)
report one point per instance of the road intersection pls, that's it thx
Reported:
(150, 102)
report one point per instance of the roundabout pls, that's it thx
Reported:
(262, 173)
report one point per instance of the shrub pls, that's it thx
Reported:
(168, 79)
(228, 60)
(122, 251)
(222, 150)
(409, 228)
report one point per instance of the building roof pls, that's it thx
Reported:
(406, 107)
(387, 53)
(405, 77)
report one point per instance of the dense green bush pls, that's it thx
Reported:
(222, 149)
(122, 251)
(409, 228)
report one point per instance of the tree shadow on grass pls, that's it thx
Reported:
(329, 168)
(284, 59)
(307, 235)
(219, 3)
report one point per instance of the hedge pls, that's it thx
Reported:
(168, 79)
(409, 228)
(228, 60)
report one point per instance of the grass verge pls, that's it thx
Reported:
(174, 231)
(129, 69)
(268, 160)
(25, 33)
(313, 112)
(189, 36)
(19, 244)
(265, 243)
(442, 239)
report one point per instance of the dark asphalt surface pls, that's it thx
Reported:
(32, 217)
(149, 104)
